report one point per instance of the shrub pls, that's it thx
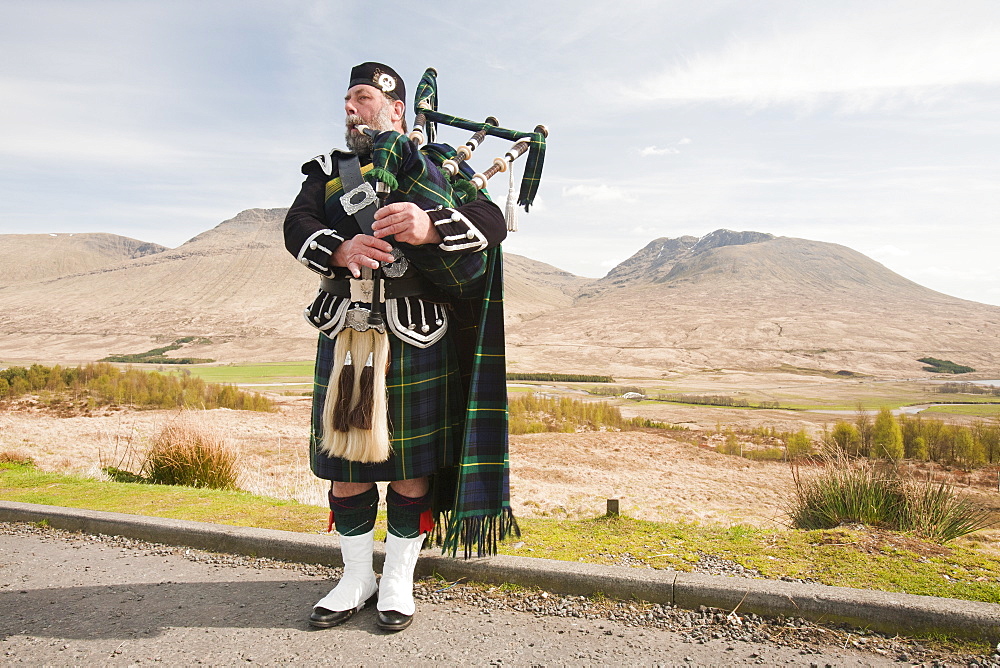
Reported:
(532, 413)
(863, 492)
(183, 455)
(8, 457)
(798, 445)
(844, 494)
(935, 511)
(765, 455)
(845, 436)
(103, 384)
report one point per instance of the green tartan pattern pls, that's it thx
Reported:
(425, 403)
(481, 515)
(408, 171)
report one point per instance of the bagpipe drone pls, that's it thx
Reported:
(416, 167)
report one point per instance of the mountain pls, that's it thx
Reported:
(754, 301)
(744, 300)
(233, 284)
(29, 257)
(533, 288)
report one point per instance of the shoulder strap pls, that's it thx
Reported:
(359, 197)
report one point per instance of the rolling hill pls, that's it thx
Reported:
(30, 257)
(745, 300)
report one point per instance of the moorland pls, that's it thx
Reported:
(722, 339)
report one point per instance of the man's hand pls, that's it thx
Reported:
(361, 251)
(407, 222)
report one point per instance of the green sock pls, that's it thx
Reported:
(408, 517)
(355, 515)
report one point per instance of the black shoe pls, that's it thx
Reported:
(390, 620)
(321, 618)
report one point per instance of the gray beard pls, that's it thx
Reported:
(360, 143)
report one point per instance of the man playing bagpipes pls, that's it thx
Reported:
(410, 375)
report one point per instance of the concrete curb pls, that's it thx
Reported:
(882, 611)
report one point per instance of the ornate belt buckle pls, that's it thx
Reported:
(351, 207)
(362, 289)
(357, 319)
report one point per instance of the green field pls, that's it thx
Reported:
(270, 373)
(981, 410)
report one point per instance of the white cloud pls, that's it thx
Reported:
(597, 193)
(655, 150)
(863, 57)
(644, 232)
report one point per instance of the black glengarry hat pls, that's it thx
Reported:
(380, 76)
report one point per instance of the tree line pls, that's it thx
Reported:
(101, 384)
(915, 437)
(532, 414)
(560, 377)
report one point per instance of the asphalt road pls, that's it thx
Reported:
(70, 599)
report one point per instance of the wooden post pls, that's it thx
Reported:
(612, 507)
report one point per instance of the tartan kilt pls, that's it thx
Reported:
(426, 403)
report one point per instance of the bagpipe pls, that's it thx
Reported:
(418, 168)
(395, 173)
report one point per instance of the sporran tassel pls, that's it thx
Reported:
(361, 416)
(345, 392)
(510, 214)
(372, 444)
(340, 393)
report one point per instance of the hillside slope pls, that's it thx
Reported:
(744, 300)
(31, 257)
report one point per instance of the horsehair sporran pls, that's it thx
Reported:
(362, 354)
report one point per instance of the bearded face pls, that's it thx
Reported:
(380, 120)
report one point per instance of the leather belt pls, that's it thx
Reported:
(393, 288)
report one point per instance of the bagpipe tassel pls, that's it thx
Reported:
(510, 214)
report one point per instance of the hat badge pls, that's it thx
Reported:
(385, 81)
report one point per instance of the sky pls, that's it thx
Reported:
(872, 124)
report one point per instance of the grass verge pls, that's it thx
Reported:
(847, 557)
(24, 483)
(844, 557)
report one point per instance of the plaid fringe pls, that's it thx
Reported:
(479, 535)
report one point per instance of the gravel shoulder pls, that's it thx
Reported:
(71, 598)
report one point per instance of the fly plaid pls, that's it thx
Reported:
(481, 515)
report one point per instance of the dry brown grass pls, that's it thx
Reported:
(182, 454)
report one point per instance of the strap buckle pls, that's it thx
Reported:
(367, 197)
